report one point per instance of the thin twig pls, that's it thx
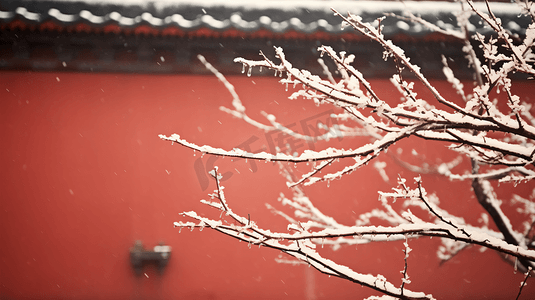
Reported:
(523, 282)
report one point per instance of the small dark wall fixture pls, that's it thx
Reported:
(140, 257)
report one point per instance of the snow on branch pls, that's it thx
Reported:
(297, 245)
(497, 138)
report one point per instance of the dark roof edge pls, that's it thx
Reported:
(274, 16)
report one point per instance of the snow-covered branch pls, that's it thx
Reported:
(298, 244)
(495, 132)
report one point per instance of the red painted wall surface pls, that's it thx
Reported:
(84, 175)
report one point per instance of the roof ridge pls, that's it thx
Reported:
(216, 16)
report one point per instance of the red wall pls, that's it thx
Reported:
(84, 175)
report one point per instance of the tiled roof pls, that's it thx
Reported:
(165, 36)
(238, 17)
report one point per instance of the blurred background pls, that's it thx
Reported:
(87, 86)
